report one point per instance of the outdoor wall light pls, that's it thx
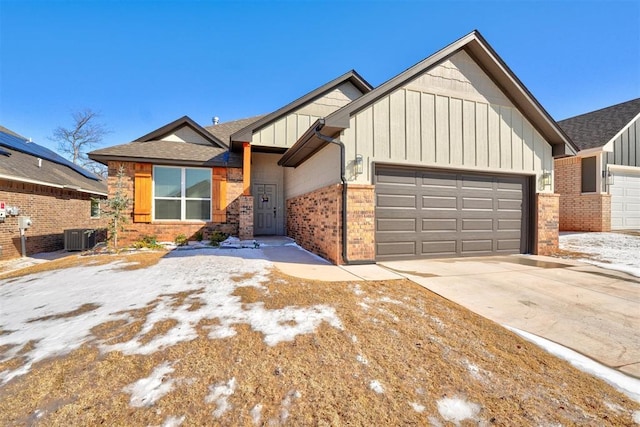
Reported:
(545, 179)
(608, 176)
(359, 164)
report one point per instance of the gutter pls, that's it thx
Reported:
(343, 178)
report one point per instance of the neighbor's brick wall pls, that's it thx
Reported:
(579, 212)
(313, 221)
(166, 231)
(52, 211)
(547, 220)
(361, 222)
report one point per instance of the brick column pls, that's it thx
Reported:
(361, 222)
(546, 225)
(245, 227)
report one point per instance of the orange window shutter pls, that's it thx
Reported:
(219, 195)
(142, 193)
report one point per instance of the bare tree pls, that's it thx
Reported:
(75, 142)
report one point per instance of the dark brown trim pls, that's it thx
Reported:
(104, 159)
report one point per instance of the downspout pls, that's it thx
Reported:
(343, 178)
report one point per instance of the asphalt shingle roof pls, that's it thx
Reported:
(23, 166)
(223, 131)
(169, 152)
(598, 127)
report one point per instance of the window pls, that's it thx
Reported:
(589, 174)
(95, 208)
(182, 194)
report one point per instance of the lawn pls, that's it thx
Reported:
(214, 337)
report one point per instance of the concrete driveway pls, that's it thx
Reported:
(589, 309)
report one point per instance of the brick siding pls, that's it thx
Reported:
(166, 231)
(546, 227)
(52, 210)
(579, 212)
(361, 223)
(314, 220)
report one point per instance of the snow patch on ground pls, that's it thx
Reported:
(173, 421)
(626, 384)
(417, 407)
(636, 417)
(33, 305)
(256, 414)
(219, 395)
(456, 410)
(146, 391)
(361, 359)
(615, 251)
(286, 405)
(376, 386)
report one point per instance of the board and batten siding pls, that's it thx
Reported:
(286, 131)
(186, 134)
(626, 147)
(453, 116)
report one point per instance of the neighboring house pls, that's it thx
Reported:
(452, 157)
(53, 192)
(600, 187)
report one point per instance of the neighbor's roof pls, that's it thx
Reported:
(244, 134)
(597, 128)
(479, 49)
(149, 148)
(19, 161)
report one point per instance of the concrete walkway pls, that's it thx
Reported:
(591, 310)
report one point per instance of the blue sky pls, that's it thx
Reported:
(143, 64)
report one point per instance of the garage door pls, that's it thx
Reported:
(423, 213)
(625, 199)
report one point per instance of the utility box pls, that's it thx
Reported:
(79, 239)
(24, 222)
(3, 212)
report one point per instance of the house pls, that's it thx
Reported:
(600, 187)
(452, 157)
(54, 193)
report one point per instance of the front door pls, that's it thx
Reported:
(264, 200)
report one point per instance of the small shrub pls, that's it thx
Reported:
(147, 241)
(217, 237)
(198, 236)
(181, 240)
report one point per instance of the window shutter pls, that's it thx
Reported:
(219, 195)
(142, 193)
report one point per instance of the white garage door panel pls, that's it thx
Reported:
(625, 199)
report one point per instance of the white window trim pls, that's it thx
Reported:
(91, 215)
(183, 199)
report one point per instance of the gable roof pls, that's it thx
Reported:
(245, 134)
(477, 47)
(597, 128)
(150, 148)
(26, 161)
(167, 129)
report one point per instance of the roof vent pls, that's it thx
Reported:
(216, 120)
(39, 162)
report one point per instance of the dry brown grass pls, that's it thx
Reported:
(129, 260)
(419, 346)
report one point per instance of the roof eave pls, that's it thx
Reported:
(105, 159)
(307, 145)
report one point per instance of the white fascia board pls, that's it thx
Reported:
(609, 145)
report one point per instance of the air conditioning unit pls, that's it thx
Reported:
(79, 239)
